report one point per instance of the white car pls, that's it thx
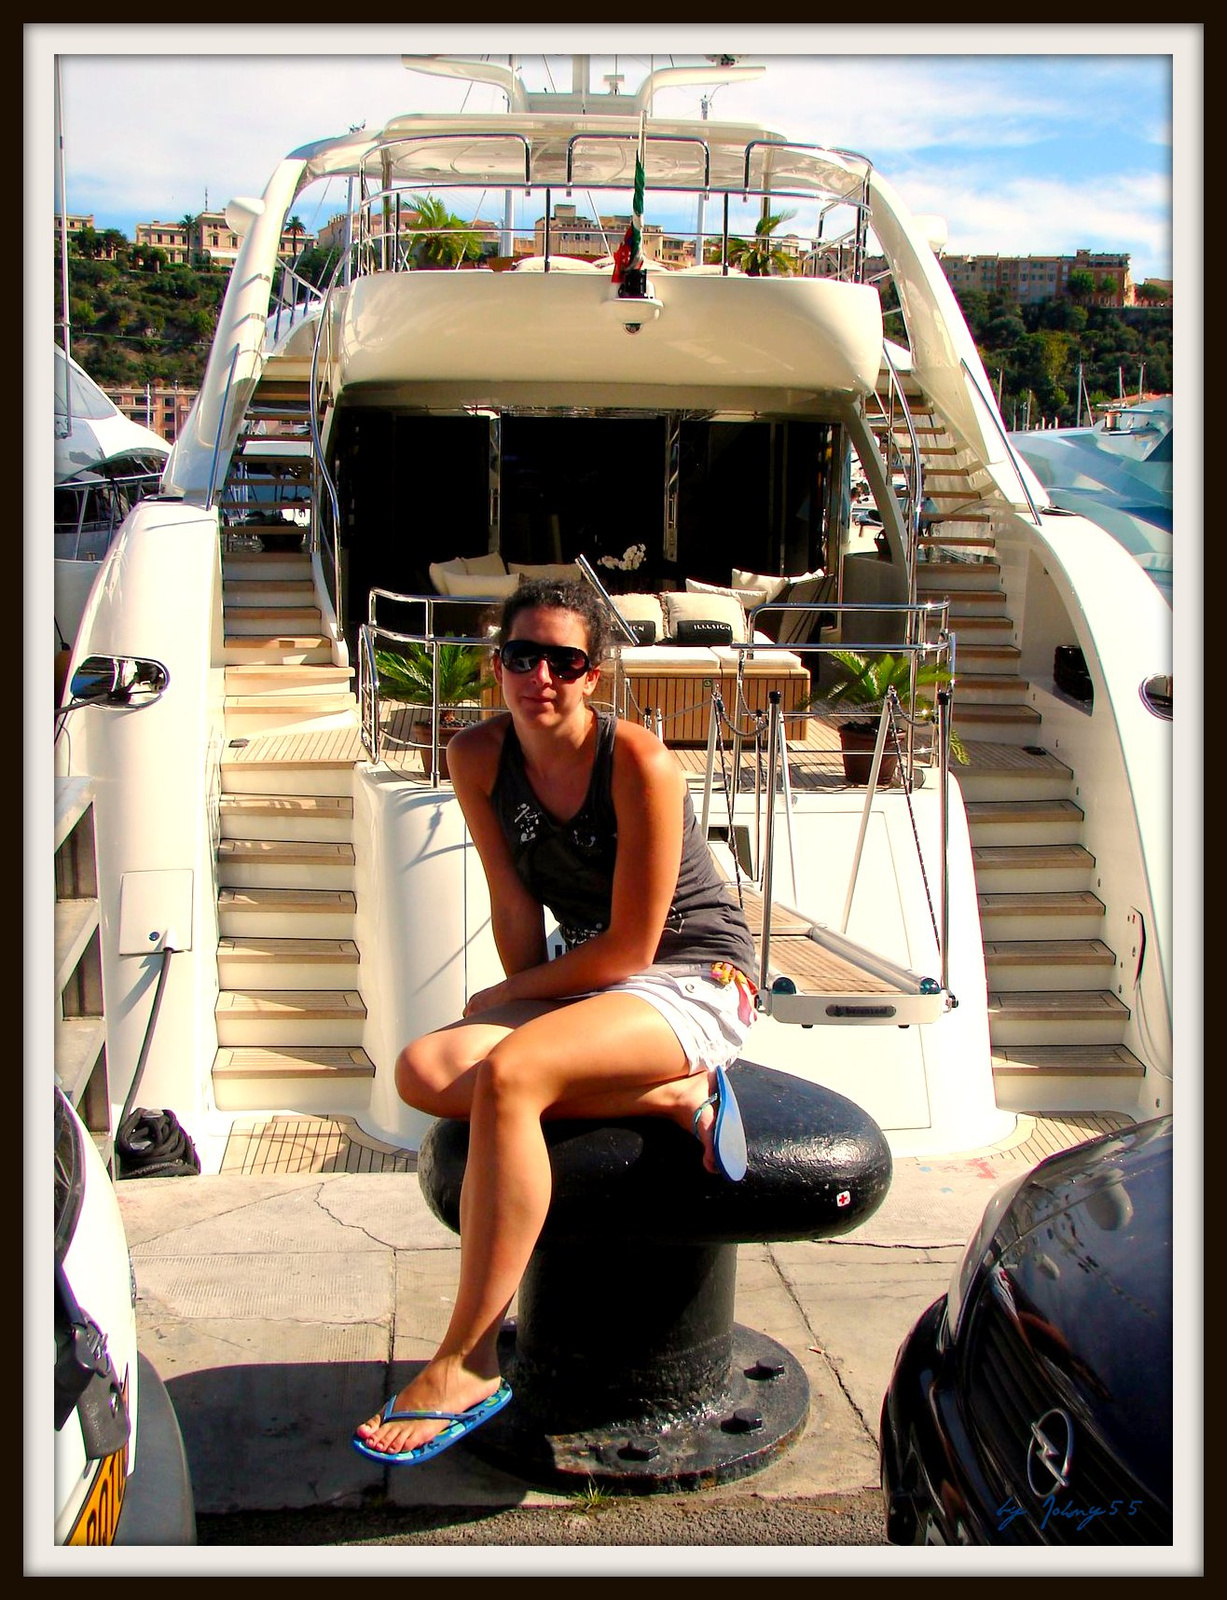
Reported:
(107, 1395)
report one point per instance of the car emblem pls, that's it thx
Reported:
(1050, 1453)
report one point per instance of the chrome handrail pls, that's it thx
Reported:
(999, 424)
(221, 426)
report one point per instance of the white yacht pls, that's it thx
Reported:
(286, 889)
(104, 464)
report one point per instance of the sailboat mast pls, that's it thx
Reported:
(65, 319)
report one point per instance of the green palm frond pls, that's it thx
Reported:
(861, 681)
(407, 677)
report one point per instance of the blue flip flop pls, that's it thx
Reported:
(728, 1135)
(460, 1424)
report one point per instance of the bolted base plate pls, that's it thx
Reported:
(759, 1415)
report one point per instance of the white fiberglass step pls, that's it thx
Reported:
(319, 1079)
(286, 913)
(1054, 1016)
(305, 817)
(1048, 964)
(274, 1017)
(1036, 868)
(287, 963)
(1073, 914)
(284, 864)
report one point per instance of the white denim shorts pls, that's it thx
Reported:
(711, 1018)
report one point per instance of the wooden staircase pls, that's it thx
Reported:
(289, 1010)
(1056, 1025)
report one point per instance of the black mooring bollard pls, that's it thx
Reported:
(626, 1362)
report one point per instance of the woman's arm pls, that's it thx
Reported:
(517, 919)
(648, 795)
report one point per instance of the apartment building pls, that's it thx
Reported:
(208, 233)
(1028, 279)
(161, 407)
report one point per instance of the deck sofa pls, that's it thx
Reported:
(688, 643)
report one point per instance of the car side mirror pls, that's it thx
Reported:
(117, 681)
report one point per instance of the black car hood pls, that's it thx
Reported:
(1084, 1271)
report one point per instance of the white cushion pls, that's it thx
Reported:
(495, 585)
(491, 564)
(809, 587)
(709, 605)
(768, 588)
(559, 571)
(442, 571)
(748, 596)
(641, 608)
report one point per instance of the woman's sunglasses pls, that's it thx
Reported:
(565, 661)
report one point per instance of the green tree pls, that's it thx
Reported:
(294, 227)
(762, 256)
(441, 239)
(1153, 293)
(1081, 284)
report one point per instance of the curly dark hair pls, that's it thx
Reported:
(552, 594)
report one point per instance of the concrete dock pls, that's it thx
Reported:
(282, 1307)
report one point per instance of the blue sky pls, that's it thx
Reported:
(1025, 139)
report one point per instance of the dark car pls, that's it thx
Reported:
(1032, 1404)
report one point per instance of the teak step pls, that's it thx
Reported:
(1048, 964)
(973, 660)
(1023, 821)
(270, 591)
(260, 565)
(278, 649)
(1055, 1016)
(289, 1017)
(286, 913)
(322, 1079)
(240, 621)
(247, 963)
(1011, 722)
(967, 601)
(999, 771)
(1089, 1060)
(295, 816)
(945, 575)
(1053, 1078)
(265, 679)
(1070, 913)
(284, 864)
(1044, 866)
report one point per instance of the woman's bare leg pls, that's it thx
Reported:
(613, 1054)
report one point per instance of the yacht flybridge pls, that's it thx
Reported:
(576, 336)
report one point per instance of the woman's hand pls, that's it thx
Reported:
(486, 999)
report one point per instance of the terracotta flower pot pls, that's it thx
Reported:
(857, 740)
(420, 734)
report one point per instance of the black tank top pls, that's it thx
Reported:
(568, 866)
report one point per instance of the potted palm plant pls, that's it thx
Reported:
(408, 679)
(860, 683)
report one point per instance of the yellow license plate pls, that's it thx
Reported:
(99, 1516)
